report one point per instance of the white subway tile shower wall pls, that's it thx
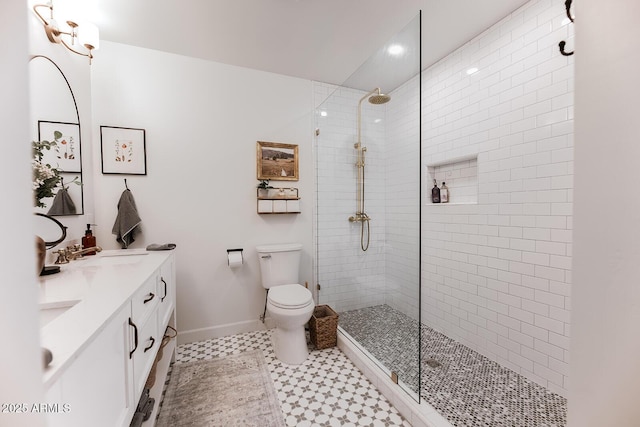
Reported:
(350, 278)
(402, 261)
(497, 274)
(389, 271)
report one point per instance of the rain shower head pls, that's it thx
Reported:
(379, 98)
(376, 98)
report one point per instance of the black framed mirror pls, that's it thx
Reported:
(49, 229)
(55, 118)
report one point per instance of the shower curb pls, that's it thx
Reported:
(418, 414)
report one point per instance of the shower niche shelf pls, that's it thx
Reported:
(278, 201)
(461, 176)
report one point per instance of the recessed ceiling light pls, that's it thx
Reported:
(472, 70)
(323, 113)
(377, 120)
(395, 49)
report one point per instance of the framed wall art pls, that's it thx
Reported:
(123, 150)
(65, 155)
(277, 161)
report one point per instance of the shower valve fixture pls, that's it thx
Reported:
(359, 217)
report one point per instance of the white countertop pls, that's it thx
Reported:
(99, 286)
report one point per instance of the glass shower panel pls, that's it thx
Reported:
(367, 224)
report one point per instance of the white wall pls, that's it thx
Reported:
(497, 273)
(605, 350)
(202, 121)
(20, 360)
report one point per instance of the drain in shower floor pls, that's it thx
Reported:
(433, 363)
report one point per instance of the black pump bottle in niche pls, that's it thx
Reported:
(435, 193)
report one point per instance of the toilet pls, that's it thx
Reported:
(289, 303)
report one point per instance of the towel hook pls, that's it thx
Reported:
(562, 44)
(125, 184)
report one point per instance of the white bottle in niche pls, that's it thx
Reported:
(444, 193)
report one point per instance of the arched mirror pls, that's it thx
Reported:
(55, 119)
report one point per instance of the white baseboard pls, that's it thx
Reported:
(418, 414)
(202, 334)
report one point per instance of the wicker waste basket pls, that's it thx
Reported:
(323, 327)
(169, 334)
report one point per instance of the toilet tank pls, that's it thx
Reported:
(279, 264)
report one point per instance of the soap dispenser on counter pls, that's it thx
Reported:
(89, 240)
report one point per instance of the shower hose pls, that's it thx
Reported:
(365, 218)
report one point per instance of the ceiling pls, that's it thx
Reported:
(322, 40)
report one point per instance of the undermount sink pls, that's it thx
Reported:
(53, 311)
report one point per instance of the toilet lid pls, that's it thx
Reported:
(290, 296)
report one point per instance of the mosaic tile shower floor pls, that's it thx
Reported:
(467, 388)
(326, 390)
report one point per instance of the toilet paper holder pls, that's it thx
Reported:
(229, 251)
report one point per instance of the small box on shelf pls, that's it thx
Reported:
(265, 206)
(293, 206)
(279, 206)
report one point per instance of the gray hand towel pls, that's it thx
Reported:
(127, 220)
(62, 204)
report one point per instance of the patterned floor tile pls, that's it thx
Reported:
(326, 390)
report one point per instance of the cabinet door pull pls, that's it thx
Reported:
(165, 290)
(135, 331)
(151, 296)
(153, 341)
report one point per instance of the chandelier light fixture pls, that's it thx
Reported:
(76, 37)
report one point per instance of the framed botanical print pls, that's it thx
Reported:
(65, 154)
(123, 150)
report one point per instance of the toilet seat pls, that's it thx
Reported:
(290, 296)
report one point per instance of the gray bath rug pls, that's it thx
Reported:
(234, 390)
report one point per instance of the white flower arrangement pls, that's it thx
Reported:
(46, 178)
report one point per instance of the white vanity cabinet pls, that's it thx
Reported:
(166, 312)
(145, 333)
(94, 390)
(166, 290)
(98, 379)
